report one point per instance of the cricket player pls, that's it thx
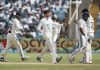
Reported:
(91, 36)
(83, 37)
(12, 38)
(45, 26)
(56, 33)
(90, 27)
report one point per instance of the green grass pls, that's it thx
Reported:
(14, 63)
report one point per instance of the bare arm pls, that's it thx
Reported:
(82, 32)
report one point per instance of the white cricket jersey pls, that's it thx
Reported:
(56, 30)
(46, 24)
(16, 25)
(57, 27)
(90, 24)
(83, 25)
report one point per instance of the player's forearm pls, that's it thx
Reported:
(81, 30)
(56, 24)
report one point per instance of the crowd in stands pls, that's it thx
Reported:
(31, 11)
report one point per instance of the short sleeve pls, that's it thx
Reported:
(80, 23)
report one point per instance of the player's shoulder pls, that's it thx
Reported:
(16, 20)
(81, 20)
(56, 22)
(43, 20)
(91, 18)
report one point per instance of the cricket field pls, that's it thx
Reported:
(15, 63)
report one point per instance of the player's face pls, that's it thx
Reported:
(85, 17)
(48, 14)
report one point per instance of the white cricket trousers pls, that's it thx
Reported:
(88, 48)
(81, 48)
(12, 40)
(88, 53)
(52, 47)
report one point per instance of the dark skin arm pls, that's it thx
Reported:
(81, 30)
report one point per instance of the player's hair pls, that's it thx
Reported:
(85, 10)
(18, 14)
(46, 11)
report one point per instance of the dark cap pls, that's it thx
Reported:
(85, 10)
